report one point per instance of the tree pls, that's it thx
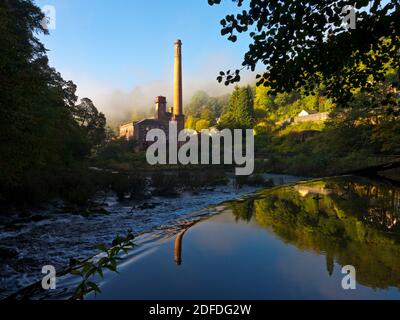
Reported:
(202, 124)
(208, 114)
(263, 102)
(190, 122)
(39, 134)
(245, 108)
(240, 113)
(219, 104)
(92, 120)
(197, 103)
(303, 43)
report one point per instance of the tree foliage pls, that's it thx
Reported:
(91, 120)
(201, 105)
(303, 43)
(240, 111)
(202, 124)
(87, 270)
(39, 134)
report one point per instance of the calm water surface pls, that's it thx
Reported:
(286, 243)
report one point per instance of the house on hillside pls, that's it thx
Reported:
(305, 113)
(304, 116)
(310, 116)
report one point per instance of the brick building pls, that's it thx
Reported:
(162, 117)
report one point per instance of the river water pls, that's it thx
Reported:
(55, 237)
(289, 242)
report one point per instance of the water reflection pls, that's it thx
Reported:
(178, 242)
(352, 221)
(178, 248)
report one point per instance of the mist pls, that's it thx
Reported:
(120, 105)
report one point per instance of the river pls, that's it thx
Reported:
(51, 236)
(289, 242)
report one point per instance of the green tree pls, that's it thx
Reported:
(190, 122)
(39, 134)
(219, 104)
(208, 114)
(197, 103)
(93, 121)
(240, 112)
(305, 43)
(202, 124)
(202, 106)
(263, 102)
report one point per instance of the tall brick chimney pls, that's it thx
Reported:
(178, 104)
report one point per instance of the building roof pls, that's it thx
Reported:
(127, 123)
(310, 111)
(148, 121)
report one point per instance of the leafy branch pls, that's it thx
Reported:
(302, 44)
(108, 260)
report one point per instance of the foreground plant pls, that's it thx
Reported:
(108, 260)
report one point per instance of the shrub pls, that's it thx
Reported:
(165, 185)
(128, 185)
(76, 186)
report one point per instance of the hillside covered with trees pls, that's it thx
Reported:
(363, 133)
(46, 134)
(340, 57)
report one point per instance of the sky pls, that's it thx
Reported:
(120, 52)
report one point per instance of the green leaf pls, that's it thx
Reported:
(100, 272)
(102, 247)
(76, 272)
(94, 286)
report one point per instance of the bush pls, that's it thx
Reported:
(165, 185)
(76, 186)
(216, 178)
(259, 180)
(253, 180)
(128, 185)
(240, 181)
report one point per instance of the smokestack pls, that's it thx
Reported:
(178, 108)
(161, 108)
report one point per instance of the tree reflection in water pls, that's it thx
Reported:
(353, 221)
